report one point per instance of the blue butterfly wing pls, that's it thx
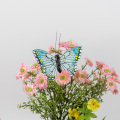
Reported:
(47, 61)
(69, 59)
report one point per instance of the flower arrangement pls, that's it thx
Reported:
(67, 97)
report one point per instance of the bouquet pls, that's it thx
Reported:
(57, 90)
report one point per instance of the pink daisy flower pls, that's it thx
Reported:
(41, 81)
(62, 44)
(106, 70)
(29, 89)
(35, 66)
(116, 79)
(110, 83)
(70, 44)
(99, 65)
(58, 50)
(50, 48)
(80, 76)
(114, 73)
(22, 70)
(115, 91)
(17, 76)
(25, 76)
(63, 77)
(88, 61)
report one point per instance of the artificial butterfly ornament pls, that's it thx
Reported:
(53, 64)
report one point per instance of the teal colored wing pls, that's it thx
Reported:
(69, 59)
(47, 61)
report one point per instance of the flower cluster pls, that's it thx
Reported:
(81, 92)
(110, 75)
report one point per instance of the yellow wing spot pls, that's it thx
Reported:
(50, 76)
(74, 60)
(70, 73)
(41, 62)
(37, 54)
(39, 58)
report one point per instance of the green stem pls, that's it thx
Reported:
(84, 66)
(92, 73)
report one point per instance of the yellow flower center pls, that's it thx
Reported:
(82, 75)
(116, 79)
(107, 71)
(28, 89)
(62, 43)
(35, 64)
(111, 83)
(62, 77)
(41, 80)
(89, 61)
(22, 70)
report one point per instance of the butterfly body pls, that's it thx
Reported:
(53, 64)
(58, 65)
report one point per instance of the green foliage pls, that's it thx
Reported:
(54, 101)
(86, 114)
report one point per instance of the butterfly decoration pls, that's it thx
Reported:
(53, 64)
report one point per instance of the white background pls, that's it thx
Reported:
(30, 24)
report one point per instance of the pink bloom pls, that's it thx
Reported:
(69, 44)
(116, 79)
(22, 70)
(35, 66)
(106, 70)
(110, 83)
(62, 44)
(29, 89)
(114, 73)
(58, 50)
(88, 61)
(25, 76)
(32, 71)
(99, 65)
(95, 76)
(17, 76)
(80, 76)
(63, 77)
(41, 81)
(50, 48)
(115, 91)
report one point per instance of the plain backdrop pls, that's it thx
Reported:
(30, 24)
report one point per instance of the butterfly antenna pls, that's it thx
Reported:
(55, 42)
(59, 40)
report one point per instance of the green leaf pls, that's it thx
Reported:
(84, 106)
(81, 110)
(82, 117)
(104, 118)
(92, 115)
(87, 117)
